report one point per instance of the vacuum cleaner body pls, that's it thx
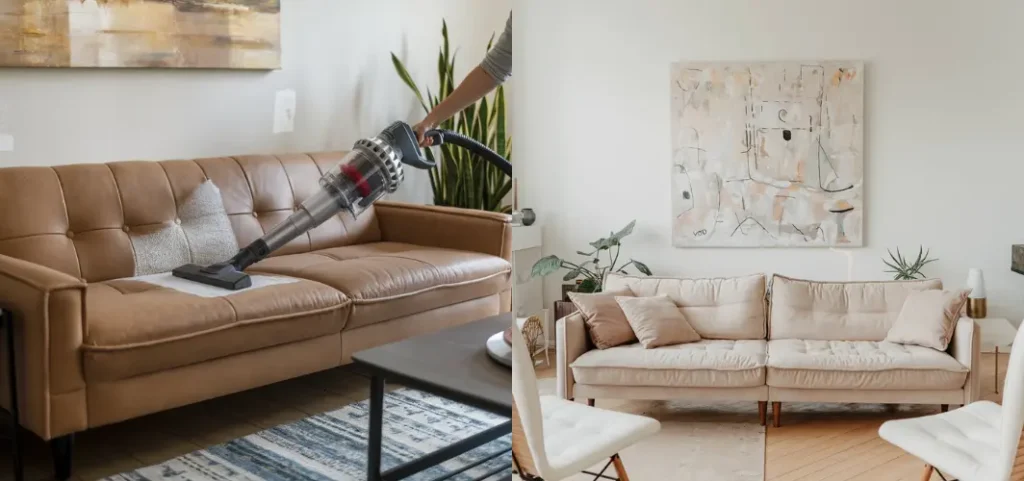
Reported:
(371, 170)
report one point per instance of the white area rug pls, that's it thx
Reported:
(697, 442)
(332, 446)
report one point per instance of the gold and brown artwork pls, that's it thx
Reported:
(216, 34)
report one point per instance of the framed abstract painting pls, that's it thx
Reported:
(767, 154)
(177, 34)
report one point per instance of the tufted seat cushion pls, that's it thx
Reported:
(706, 363)
(962, 444)
(861, 365)
(387, 280)
(574, 433)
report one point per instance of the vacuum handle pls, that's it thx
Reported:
(403, 138)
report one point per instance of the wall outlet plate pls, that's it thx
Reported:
(284, 111)
(6, 143)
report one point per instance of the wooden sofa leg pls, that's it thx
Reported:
(619, 468)
(61, 449)
(927, 472)
(591, 402)
(762, 412)
(776, 414)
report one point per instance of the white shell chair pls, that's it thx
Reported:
(553, 439)
(978, 442)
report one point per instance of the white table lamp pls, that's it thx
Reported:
(977, 300)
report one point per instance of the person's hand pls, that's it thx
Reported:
(421, 129)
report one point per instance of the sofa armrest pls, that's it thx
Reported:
(571, 342)
(447, 227)
(47, 309)
(966, 348)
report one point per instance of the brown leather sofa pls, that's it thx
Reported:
(95, 348)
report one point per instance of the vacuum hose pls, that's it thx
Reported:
(373, 168)
(440, 137)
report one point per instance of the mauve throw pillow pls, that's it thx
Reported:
(605, 322)
(928, 318)
(657, 321)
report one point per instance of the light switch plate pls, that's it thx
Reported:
(6, 143)
(284, 111)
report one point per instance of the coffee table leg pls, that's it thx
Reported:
(376, 428)
(997, 369)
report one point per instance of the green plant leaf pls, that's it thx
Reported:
(404, 75)
(500, 142)
(640, 266)
(546, 266)
(572, 275)
(618, 236)
(589, 286)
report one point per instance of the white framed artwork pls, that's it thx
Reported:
(767, 154)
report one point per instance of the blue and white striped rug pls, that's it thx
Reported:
(332, 446)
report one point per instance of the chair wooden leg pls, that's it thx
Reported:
(619, 468)
(591, 402)
(762, 412)
(776, 414)
(927, 473)
(944, 407)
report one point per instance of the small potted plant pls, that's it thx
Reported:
(590, 274)
(908, 271)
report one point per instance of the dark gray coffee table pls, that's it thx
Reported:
(452, 363)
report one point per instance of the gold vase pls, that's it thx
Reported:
(977, 308)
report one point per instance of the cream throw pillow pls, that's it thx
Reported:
(928, 318)
(606, 324)
(657, 321)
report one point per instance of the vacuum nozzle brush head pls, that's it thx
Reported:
(224, 276)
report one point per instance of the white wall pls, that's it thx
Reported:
(944, 112)
(336, 55)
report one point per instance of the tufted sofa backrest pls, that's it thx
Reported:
(838, 311)
(717, 308)
(78, 218)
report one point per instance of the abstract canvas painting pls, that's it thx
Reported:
(216, 34)
(767, 154)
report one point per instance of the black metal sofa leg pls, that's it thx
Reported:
(62, 450)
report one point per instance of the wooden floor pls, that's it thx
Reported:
(842, 446)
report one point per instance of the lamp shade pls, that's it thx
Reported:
(976, 283)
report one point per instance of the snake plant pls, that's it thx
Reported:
(461, 178)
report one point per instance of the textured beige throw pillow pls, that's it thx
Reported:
(657, 321)
(605, 322)
(928, 318)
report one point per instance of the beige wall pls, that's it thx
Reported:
(335, 56)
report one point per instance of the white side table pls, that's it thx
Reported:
(996, 332)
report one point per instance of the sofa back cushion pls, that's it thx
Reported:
(717, 308)
(838, 311)
(80, 219)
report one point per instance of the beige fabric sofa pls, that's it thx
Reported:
(789, 340)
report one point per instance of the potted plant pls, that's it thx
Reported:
(590, 274)
(461, 178)
(904, 270)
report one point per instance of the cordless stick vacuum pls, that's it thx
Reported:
(372, 169)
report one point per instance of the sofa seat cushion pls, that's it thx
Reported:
(387, 280)
(861, 365)
(706, 363)
(134, 328)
